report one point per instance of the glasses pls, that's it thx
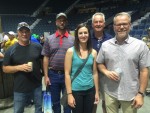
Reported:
(123, 24)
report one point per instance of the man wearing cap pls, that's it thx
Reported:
(147, 41)
(11, 41)
(23, 60)
(54, 50)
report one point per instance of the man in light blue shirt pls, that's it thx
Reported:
(124, 61)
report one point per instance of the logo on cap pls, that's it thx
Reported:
(23, 24)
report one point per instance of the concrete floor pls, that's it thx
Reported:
(144, 109)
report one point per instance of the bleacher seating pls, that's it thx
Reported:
(9, 23)
(18, 6)
(59, 6)
(140, 30)
(47, 23)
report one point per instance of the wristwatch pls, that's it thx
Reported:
(141, 93)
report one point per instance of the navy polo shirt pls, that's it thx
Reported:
(97, 43)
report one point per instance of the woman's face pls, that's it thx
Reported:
(83, 35)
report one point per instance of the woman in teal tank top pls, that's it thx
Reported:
(83, 92)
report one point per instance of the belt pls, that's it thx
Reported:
(57, 71)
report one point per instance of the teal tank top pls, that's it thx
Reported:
(84, 80)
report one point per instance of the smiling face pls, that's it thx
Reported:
(24, 35)
(122, 26)
(98, 23)
(83, 35)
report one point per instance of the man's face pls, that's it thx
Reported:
(98, 23)
(61, 23)
(24, 34)
(11, 36)
(122, 26)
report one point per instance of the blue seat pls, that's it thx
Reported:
(135, 27)
(139, 32)
(143, 21)
(142, 26)
(137, 36)
(145, 32)
(132, 33)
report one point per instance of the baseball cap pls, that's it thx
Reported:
(23, 24)
(61, 14)
(5, 38)
(11, 33)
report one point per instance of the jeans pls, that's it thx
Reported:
(22, 99)
(57, 86)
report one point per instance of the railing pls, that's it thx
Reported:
(71, 7)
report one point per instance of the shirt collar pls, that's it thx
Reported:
(104, 37)
(64, 35)
(127, 41)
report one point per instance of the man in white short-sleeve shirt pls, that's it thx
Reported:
(125, 61)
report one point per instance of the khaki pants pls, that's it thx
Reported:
(112, 105)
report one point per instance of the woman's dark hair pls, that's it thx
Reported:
(77, 42)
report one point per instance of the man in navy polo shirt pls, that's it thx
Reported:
(98, 37)
(54, 50)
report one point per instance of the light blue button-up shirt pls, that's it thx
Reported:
(129, 57)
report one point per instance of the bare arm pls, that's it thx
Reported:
(14, 69)
(3, 44)
(45, 69)
(110, 74)
(67, 65)
(1, 55)
(139, 100)
(95, 76)
(143, 79)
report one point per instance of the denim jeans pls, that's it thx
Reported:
(57, 86)
(22, 99)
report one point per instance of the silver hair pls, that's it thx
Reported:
(121, 14)
(98, 13)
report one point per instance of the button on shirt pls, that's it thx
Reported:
(130, 57)
(97, 43)
(61, 37)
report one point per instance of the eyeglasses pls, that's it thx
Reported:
(123, 24)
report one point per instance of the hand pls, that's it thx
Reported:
(112, 75)
(24, 68)
(97, 98)
(138, 101)
(47, 80)
(71, 101)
